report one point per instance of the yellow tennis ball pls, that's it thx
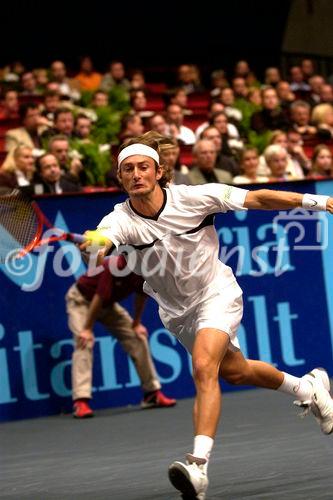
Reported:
(96, 238)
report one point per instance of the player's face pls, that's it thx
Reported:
(139, 176)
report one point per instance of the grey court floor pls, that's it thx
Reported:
(262, 451)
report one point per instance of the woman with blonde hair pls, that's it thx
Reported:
(322, 117)
(18, 169)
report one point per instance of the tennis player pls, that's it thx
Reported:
(175, 247)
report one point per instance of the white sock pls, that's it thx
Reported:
(299, 387)
(202, 448)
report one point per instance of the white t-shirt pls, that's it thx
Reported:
(177, 250)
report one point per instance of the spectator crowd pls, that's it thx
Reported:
(60, 134)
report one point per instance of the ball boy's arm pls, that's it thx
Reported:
(86, 336)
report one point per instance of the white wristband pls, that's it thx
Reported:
(314, 201)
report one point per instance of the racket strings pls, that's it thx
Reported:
(18, 224)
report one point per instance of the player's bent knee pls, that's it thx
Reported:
(204, 369)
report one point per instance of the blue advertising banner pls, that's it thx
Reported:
(283, 262)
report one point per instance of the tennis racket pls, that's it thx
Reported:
(23, 224)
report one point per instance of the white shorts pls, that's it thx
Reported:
(223, 311)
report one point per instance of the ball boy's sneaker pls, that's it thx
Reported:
(81, 409)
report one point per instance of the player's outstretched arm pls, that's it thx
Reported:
(267, 199)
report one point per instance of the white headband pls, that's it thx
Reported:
(138, 149)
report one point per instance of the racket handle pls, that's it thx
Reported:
(76, 238)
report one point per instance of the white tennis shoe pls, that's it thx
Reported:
(321, 403)
(190, 479)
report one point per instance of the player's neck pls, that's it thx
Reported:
(149, 204)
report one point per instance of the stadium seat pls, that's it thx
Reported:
(3, 155)
(310, 145)
(193, 121)
(7, 125)
(198, 101)
(185, 155)
(37, 99)
(155, 103)
(156, 88)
